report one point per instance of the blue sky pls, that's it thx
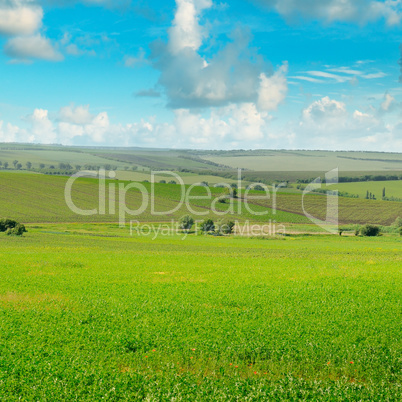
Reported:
(208, 74)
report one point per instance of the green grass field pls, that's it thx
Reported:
(321, 161)
(187, 178)
(50, 157)
(93, 311)
(40, 198)
(105, 316)
(392, 188)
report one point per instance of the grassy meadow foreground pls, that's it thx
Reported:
(89, 312)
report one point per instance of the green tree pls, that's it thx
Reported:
(18, 230)
(19, 166)
(226, 227)
(29, 165)
(15, 163)
(370, 230)
(207, 226)
(186, 222)
(6, 224)
(383, 192)
(5, 165)
(42, 165)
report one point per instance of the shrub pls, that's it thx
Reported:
(226, 227)
(207, 225)
(370, 230)
(18, 230)
(259, 188)
(186, 222)
(6, 224)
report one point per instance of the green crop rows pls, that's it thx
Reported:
(40, 198)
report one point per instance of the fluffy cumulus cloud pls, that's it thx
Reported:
(20, 17)
(186, 31)
(21, 21)
(42, 129)
(230, 126)
(328, 124)
(11, 133)
(324, 124)
(356, 11)
(32, 47)
(233, 125)
(236, 74)
(75, 114)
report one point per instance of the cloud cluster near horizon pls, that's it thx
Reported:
(234, 126)
(353, 11)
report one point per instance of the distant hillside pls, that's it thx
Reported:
(40, 198)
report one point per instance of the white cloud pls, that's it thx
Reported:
(75, 114)
(324, 112)
(324, 124)
(241, 125)
(20, 17)
(273, 89)
(323, 74)
(345, 74)
(356, 11)
(327, 124)
(234, 75)
(387, 103)
(345, 70)
(308, 79)
(186, 31)
(374, 75)
(32, 47)
(10, 133)
(42, 128)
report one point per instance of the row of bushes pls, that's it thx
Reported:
(346, 179)
(12, 227)
(374, 230)
(208, 225)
